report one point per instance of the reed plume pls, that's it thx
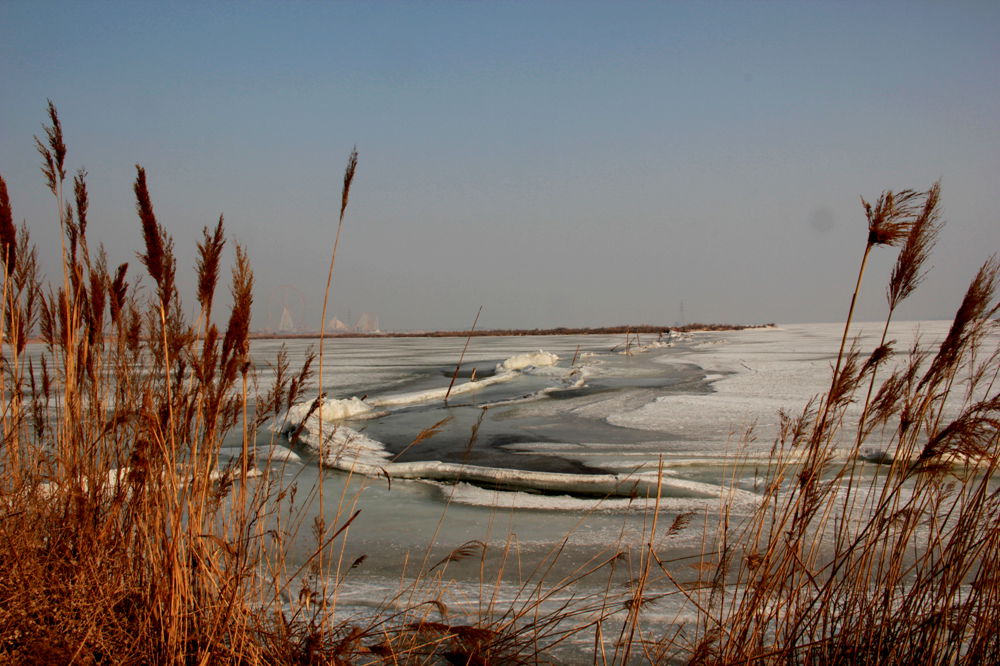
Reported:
(974, 311)
(53, 151)
(8, 234)
(236, 343)
(909, 270)
(158, 258)
(117, 292)
(209, 255)
(345, 192)
(890, 217)
(82, 199)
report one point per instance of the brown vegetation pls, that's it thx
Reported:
(118, 542)
(894, 567)
(125, 539)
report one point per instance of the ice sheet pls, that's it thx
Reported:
(757, 372)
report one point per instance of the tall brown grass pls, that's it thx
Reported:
(125, 537)
(120, 540)
(894, 563)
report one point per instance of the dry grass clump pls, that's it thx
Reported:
(119, 539)
(850, 562)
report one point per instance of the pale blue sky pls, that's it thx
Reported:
(558, 163)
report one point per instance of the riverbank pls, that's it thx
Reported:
(643, 329)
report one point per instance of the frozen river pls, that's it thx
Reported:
(572, 404)
(562, 407)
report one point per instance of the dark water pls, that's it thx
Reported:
(479, 431)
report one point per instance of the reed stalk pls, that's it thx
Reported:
(461, 356)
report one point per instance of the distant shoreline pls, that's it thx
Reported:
(644, 329)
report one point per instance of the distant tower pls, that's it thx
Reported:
(293, 305)
(682, 322)
(286, 325)
(367, 323)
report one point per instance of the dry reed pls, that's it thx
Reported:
(850, 562)
(126, 538)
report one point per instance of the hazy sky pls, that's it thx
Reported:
(559, 163)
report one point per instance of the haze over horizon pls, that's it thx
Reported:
(560, 164)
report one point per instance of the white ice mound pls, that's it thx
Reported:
(538, 359)
(342, 447)
(333, 410)
(345, 447)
